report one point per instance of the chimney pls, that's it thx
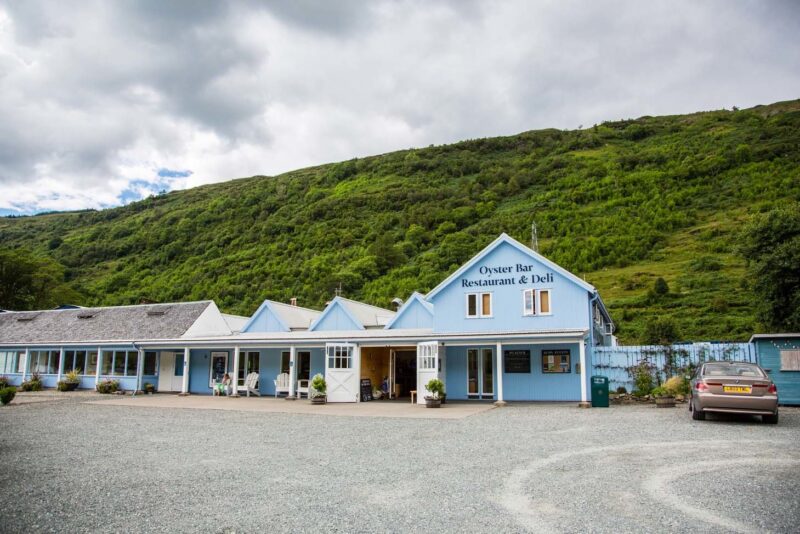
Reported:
(293, 301)
(397, 302)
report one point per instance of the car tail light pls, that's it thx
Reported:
(773, 389)
(701, 386)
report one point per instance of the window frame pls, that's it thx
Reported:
(561, 368)
(427, 356)
(339, 356)
(792, 354)
(537, 302)
(479, 305)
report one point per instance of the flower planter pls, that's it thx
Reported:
(665, 402)
(63, 385)
(430, 402)
(319, 400)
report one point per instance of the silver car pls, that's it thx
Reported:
(733, 387)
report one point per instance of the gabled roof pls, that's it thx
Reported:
(363, 315)
(112, 323)
(290, 317)
(505, 238)
(415, 297)
(235, 322)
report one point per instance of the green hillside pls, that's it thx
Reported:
(621, 203)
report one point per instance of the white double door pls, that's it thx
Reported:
(431, 362)
(342, 372)
(170, 371)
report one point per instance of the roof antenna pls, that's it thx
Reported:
(534, 238)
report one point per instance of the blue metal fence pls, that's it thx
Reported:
(615, 362)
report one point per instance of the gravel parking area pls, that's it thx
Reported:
(74, 466)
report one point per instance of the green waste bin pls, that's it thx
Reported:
(599, 392)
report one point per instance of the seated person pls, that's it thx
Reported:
(227, 384)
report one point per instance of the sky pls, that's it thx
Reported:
(103, 103)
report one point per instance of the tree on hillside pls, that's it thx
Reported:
(771, 246)
(29, 282)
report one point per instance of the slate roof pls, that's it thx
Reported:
(113, 323)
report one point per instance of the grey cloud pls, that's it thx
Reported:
(96, 94)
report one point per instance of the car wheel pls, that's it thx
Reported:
(698, 415)
(770, 419)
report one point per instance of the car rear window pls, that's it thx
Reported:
(725, 369)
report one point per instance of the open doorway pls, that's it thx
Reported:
(405, 372)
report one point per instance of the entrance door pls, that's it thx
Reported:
(342, 366)
(304, 366)
(427, 367)
(480, 373)
(170, 371)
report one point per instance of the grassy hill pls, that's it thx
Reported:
(621, 203)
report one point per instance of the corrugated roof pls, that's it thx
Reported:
(295, 317)
(235, 322)
(368, 315)
(112, 323)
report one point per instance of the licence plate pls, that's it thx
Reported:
(736, 389)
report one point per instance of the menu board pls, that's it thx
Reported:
(556, 361)
(517, 361)
(366, 389)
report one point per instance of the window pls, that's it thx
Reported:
(479, 305)
(107, 361)
(79, 363)
(339, 356)
(91, 362)
(150, 367)
(428, 354)
(285, 358)
(248, 363)
(536, 302)
(790, 360)
(556, 361)
(132, 363)
(8, 362)
(119, 363)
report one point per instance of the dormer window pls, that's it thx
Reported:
(479, 305)
(536, 302)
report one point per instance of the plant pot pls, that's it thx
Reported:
(430, 402)
(319, 400)
(665, 402)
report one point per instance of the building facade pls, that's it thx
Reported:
(509, 325)
(779, 355)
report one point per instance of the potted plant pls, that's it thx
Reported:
(317, 392)
(70, 382)
(108, 386)
(664, 398)
(436, 388)
(149, 388)
(33, 384)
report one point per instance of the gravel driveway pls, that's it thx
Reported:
(73, 466)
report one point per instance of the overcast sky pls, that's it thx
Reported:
(104, 102)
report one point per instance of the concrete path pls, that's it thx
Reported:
(457, 410)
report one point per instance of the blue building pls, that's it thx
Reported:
(509, 325)
(779, 355)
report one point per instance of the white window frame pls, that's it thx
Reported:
(790, 360)
(428, 356)
(537, 302)
(339, 355)
(479, 305)
(214, 354)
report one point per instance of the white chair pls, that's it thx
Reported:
(282, 384)
(251, 384)
(302, 387)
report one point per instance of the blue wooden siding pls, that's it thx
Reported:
(568, 301)
(787, 382)
(334, 318)
(414, 314)
(265, 320)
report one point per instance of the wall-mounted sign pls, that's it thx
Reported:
(556, 361)
(517, 361)
(508, 275)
